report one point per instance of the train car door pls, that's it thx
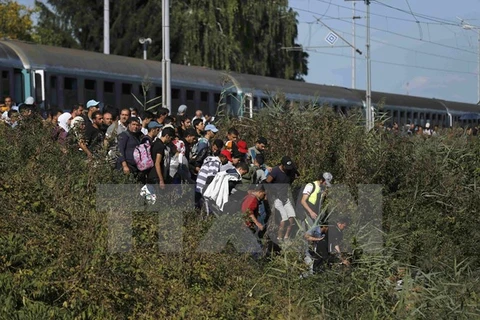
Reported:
(38, 87)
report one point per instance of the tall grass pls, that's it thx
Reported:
(55, 262)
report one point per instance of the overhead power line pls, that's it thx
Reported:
(395, 63)
(408, 49)
(391, 17)
(395, 33)
(421, 15)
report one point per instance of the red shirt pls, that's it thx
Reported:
(250, 206)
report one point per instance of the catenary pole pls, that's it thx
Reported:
(106, 26)
(369, 115)
(166, 63)
(354, 67)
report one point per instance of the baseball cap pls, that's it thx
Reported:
(287, 163)
(182, 108)
(92, 103)
(154, 124)
(211, 127)
(242, 146)
(328, 178)
(29, 101)
(227, 154)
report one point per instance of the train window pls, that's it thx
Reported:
(109, 87)
(126, 88)
(90, 84)
(158, 91)
(90, 89)
(204, 96)
(264, 102)
(127, 99)
(175, 94)
(53, 82)
(70, 92)
(5, 85)
(109, 93)
(18, 85)
(53, 91)
(190, 95)
(38, 88)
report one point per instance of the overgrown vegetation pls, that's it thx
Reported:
(56, 263)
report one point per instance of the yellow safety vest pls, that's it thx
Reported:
(315, 197)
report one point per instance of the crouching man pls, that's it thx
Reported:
(250, 207)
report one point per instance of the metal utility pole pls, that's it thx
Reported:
(145, 42)
(477, 29)
(166, 63)
(354, 65)
(370, 118)
(106, 26)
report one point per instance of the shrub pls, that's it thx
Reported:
(56, 262)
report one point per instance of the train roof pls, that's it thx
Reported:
(72, 61)
(20, 54)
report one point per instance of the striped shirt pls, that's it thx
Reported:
(210, 167)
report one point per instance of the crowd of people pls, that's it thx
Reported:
(159, 149)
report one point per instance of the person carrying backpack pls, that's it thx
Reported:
(313, 196)
(142, 153)
(127, 142)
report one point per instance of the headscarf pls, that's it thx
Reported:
(63, 121)
(76, 122)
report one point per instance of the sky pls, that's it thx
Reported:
(434, 57)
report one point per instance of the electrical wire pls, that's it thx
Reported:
(421, 15)
(394, 33)
(385, 16)
(395, 63)
(418, 22)
(408, 49)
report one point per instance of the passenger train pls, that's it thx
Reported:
(63, 77)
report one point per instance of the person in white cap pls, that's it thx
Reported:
(182, 110)
(29, 101)
(313, 196)
(428, 130)
(92, 106)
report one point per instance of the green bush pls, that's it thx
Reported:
(55, 261)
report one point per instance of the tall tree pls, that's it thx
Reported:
(236, 35)
(51, 29)
(15, 20)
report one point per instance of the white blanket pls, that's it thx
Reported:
(217, 190)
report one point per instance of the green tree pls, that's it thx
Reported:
(236, 35)
(15, 20)
(51, 29)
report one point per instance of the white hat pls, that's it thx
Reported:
(92, 103)
(29, 101)
(182, 109)
(328, 178)
(427, 125)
